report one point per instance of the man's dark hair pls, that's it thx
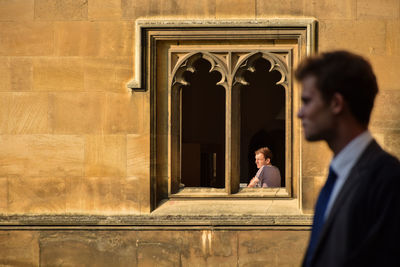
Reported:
(347, 74)
(265, 151)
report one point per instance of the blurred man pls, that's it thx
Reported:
(267, 174)
(357, 215)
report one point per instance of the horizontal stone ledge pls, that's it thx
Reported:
(156, 221)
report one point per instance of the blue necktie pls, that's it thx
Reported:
(320, 209)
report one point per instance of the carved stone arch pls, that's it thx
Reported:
(186, 63)
(247, 64)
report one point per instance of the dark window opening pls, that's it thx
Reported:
(263, 113)
(203, 128)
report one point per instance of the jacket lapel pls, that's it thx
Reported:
(357, 172)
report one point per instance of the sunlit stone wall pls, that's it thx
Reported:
(75, 140)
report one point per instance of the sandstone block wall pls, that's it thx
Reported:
(75, 140)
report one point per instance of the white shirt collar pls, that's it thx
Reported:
(343, 162)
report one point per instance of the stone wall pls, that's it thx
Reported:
(151, 248)
(75, 140)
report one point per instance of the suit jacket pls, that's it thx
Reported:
(363, 227)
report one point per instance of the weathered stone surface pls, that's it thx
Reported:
(311, 188)
(378, 135)
(209, 248)
(75, 195)
(36, 195)
(102, 39)
(76, 113)
(138, 170)
(61, 9)
(386, 112)
(387, 71)
(19, 248)
(392, 143)
(86, 248)
(307, 194)
(133, 9)
(286, 207)
(387, 138)
(124, 71)
(3, 195)
(251, 210)
(16, 10)
(271, 248)
(41, 155)
(102, 195)
(138, 156)
(265, 8)
(331, 9)
(105, 10)
(159, 248)
(319, 182)
(153, 248)
(235, 9)
(23, 113)
(16, 74)
(109, 74)
(105, 155)
(316, 158)
(26, 39)
(388, 9)
(124, 114)
(137, 195)
(362, 37)
(58, 74)
(393, 37)
(99, 74)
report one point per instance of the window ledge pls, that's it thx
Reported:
(177, 214)
(193, 192)
(229, 207)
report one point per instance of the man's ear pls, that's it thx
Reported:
(337, 103)
(268, 160)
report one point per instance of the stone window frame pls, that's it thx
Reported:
(231, 63)
(149, 32)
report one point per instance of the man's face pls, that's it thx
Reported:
(315, 113)
(260, 160)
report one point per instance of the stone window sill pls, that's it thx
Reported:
(180, 213)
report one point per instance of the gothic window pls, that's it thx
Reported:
(217, 91)
(224, 106)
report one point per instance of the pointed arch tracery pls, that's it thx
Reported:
(246, 63)
(187, 62)
(235, 77)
